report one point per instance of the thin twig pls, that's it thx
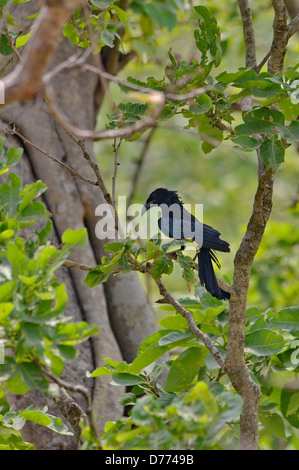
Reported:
(72, 264)
(26, 79)
(10, 41)
(169, 94)
(154, 97)
(146, 268)
(76, 389)
(97, 57)
(139, 165)
(248, 32)
(75, 60)
(293, 26)
(280, 37)
(116, 163)
(71, 411)
(259, 67)
(191, 323)
(11, 129)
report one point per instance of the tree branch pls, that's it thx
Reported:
(11, 129)
(26, 80)
(168, 298)
(116, 150)
(155, 98)
(146, 268)
(248, 32)
(71, 411)
(235, 361)
(67, 403)
(280, 37)
(139, 165)
(293, 26)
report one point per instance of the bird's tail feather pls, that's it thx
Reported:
(207, 275)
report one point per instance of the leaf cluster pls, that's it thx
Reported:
(35, 334)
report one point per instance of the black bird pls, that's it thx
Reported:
(176, 222)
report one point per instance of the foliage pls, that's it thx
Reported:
(195, 407)
(271, 350)
(36, 336)
(270, 336)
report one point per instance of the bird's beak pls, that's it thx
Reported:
(145, 208)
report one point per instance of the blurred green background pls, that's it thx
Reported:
(225, 180)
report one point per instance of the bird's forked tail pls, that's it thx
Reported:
(207, 275)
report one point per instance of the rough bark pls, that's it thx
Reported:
(72, 204)
(262, 206)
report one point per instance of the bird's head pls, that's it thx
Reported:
(161, 196)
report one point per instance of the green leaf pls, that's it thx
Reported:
(290, 110)
(261, 121)
(124, 378)
(32, 376)
(17, 259)
(287, 402)
(114, 246)
(96, 277)
(103, 370)
(162, 265)
(6, 234)
(291, 132)
(5, 310)
(246, 142)
(161, 13)
(175, 336)
(108, 38)
(71, 33)
(61, 299)
(293, 404)
(68, 353)
(22, 40)
(287, 319)
(264, 342)
(203, 104)
(33, 211)
(5, 48)
(73, 238)
(31, 192)
(33, 337)
(174, 322)
(183, 370)
(122, 14)
(274, 424)
(6, 290)
(9, 194)
(212, 136)
(272, 152)
(185, 262)
(151, 349)
(45, 232)
(207, 37)
(232, 77)
(14, 156)
(44, 419)
(102, 4)
(151, 250)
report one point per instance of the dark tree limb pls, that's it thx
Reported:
(235, 361)
(26, 80)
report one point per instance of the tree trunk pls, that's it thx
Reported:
(120, 309)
